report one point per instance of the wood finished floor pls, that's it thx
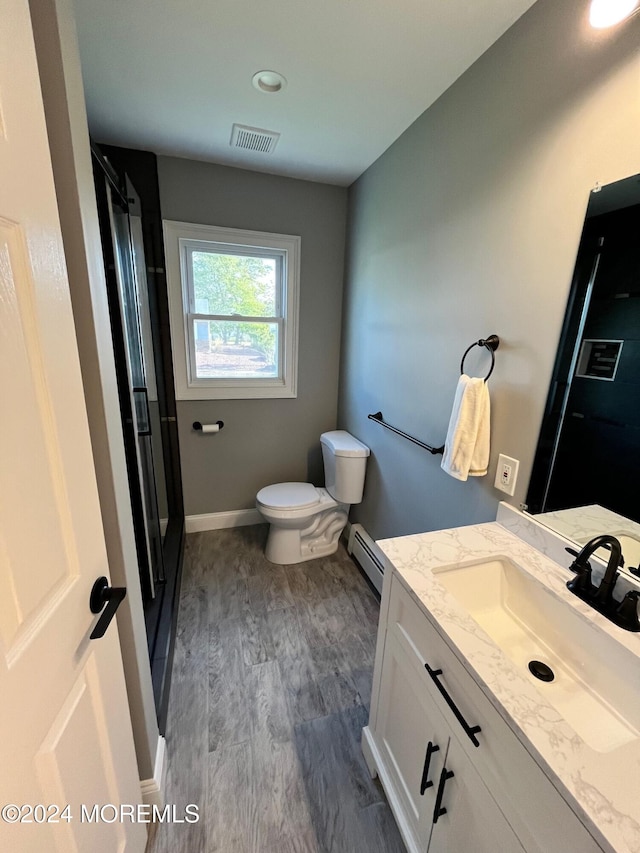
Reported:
(271, 687)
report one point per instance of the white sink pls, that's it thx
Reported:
(593, 688)
(630, 549)
(629, 544)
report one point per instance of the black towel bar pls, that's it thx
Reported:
(491, 343)
(380, 420)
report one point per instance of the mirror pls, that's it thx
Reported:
(586, 473)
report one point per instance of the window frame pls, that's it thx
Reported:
(181, 239)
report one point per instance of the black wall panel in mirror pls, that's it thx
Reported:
(588, 455)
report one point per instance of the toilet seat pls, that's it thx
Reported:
(293, 496)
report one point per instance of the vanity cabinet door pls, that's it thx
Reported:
(471, 821)
(412, 738)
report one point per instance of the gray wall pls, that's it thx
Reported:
(264, 441)
(469, 225)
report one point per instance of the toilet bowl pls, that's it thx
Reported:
(306, 521)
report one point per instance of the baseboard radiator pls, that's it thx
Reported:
(367, 554)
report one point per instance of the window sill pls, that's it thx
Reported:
(261, 392)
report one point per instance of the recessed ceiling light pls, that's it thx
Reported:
(268, 82)
(606, 13)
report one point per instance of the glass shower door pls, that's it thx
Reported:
(139, 368)
(149, 358)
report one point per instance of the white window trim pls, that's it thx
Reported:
(230, 389)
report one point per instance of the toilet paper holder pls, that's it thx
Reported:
(205, 428)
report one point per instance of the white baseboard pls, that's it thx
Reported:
(218, 520)
(153, 790)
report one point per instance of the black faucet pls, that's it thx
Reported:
(623, 613)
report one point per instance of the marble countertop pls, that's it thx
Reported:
(601, 787)
(582, 523)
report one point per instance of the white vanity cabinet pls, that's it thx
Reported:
(445, 804)
(424, 727)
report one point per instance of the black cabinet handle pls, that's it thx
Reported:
(425, 783)
(439, 809)
(470, 731)
(101, 594)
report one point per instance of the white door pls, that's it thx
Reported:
(65, 732)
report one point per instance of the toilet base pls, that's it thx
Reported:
(286, 546)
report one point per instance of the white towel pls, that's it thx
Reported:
(466, 448)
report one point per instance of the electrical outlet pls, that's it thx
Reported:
(506, 474)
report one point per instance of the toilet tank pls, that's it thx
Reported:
(345, 461)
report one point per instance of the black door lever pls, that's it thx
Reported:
(101, 594)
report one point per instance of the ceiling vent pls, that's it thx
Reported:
(253, 139)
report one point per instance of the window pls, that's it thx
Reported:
(233, 299)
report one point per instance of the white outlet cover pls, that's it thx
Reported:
(507, 486)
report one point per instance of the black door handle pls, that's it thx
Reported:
(470, 731)
(101, 594)
(425, 783)
(439, 809)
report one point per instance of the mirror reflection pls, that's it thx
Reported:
(587, 466)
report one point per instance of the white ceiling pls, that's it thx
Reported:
(172, 76)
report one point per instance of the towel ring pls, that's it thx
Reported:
(491, 343)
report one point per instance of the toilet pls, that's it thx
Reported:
(306, 521)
